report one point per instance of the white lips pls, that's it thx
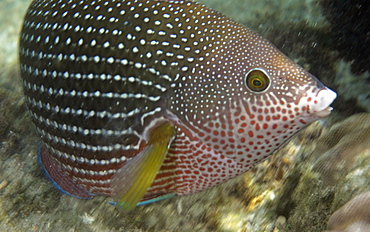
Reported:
(324, 98)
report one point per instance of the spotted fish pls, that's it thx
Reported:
(141, 100)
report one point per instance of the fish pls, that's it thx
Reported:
(143, 100)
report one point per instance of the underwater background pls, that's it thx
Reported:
(304, 187)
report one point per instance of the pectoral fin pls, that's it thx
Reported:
(131, 182)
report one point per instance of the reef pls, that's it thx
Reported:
(337, 169)
(352, 216)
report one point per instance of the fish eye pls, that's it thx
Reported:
(257, 80)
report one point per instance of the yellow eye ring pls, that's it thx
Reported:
(257, 80)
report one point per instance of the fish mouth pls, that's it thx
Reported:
(323, 113)
(325, 98)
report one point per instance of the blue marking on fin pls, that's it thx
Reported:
(163, 197)
(59, 179)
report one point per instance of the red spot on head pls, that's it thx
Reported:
(237, 112)
(302, 121)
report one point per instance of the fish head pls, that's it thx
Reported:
(248, 98)
(277, 99)
(293, 93)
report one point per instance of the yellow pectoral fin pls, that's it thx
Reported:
(131, 182)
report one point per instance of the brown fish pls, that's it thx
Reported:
(142, 100)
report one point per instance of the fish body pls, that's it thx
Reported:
(140, 100)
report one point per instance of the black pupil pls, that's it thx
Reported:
(257, 83)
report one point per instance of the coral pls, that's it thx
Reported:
(337, 149)
(337, 169)
(353, 216)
